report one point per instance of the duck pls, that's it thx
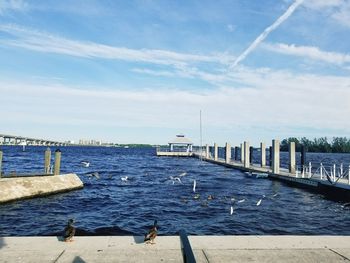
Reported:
(69, 231)
(152, 234)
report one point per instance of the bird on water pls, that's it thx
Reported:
(152, 234)
(69, 231)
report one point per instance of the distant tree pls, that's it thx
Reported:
(338, 144)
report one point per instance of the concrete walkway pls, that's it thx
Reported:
(168, 249)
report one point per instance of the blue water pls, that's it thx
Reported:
(109, 206)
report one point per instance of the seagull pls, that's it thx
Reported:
(69, 231)
(95, 174)
(231, 212)
(152, 234)
(259, 202)
(124, 178)
(194, 186)
(85, 163)
(241, 201)
(183, 174)
(275, 195)
(175, 179)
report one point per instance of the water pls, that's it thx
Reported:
(109, 206)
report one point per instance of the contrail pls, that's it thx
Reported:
(266, 32)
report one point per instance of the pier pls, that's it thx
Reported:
(15, 186)
(332, 180)
(206, 249)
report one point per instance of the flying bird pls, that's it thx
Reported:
(183, 174)
(124, 178)
(194, 186)
(152, 234)
(69, 231)
(85, 163)
(231, 212)
(241, 201)
(259, 202)
(174, 179)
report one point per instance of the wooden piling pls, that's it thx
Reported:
(57, 162)
(292, 157)
(275, 156)
(228, 152)
(262, 154)
(216, 152)
(47, 161)
(0, 163)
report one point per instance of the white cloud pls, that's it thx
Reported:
(12, 5)
(309, 52)
(42, 42)
(342, 15)
(272, 97)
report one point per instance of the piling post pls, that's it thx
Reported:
(242, 153)
(246, 155)
(0, 163)
(310, 170)
(262, 154)
(275, 156)
(228, 152)
(47, 161)
(292, 157)
(303, 156)
(349, 176)
(321, 171)
(334, 171)
(57, 162)
(215, 151)
(236, 153)
(270, 156)
(207, 151)
(251, 151)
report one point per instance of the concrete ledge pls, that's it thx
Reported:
(26, 187)
(168, 249)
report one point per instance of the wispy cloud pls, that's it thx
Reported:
(274, 97)
(43, 42)
(309, 52)
(12, 5)
(266, 32)
(321, 4)
(342, 15)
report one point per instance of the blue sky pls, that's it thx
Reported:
(140, 71)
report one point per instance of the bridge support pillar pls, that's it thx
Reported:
(207, 151)
(0, 163)
(275, 156)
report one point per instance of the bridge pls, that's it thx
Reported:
(6, 139)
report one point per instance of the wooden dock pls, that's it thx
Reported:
(339, 189)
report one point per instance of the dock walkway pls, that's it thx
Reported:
(168, 249)
(340, 189)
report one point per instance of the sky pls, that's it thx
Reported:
(142, 71)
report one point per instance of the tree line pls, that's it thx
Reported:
(323, 144)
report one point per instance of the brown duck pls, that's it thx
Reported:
(152, 234)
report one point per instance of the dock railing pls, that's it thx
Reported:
(332, 173)
(187, 251)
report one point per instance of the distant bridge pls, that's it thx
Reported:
(21, 140)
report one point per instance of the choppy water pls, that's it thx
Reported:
(109, 206)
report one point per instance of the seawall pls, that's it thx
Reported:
(12, 189)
